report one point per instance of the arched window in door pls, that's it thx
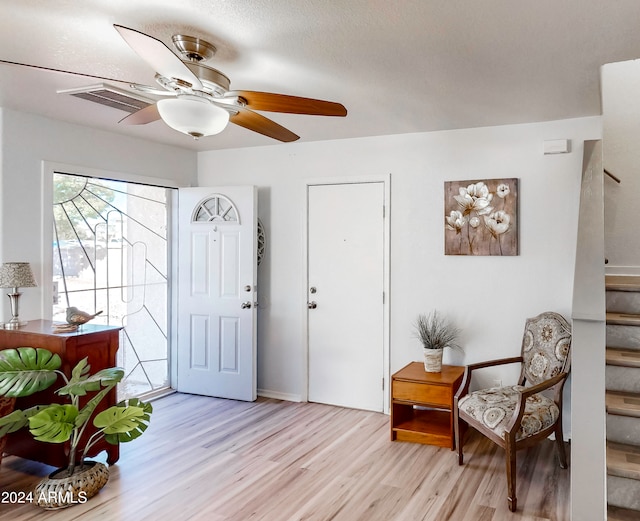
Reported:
(216, 208)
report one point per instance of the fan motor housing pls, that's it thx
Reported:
(192, 48)
(210, 77)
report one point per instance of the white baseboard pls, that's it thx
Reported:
(276, 395)
(622, 270)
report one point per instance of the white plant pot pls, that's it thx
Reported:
(433, 360)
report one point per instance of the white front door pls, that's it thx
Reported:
(217, 291)
(346, 263)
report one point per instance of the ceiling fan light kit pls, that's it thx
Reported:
(193, 115)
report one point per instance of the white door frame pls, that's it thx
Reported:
(380, 178)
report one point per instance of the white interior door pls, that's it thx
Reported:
(345, 294)
(217, 291)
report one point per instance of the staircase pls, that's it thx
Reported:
(623, 397)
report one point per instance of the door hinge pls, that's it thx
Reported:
(384, 211)
(383, 298)
(383, 384)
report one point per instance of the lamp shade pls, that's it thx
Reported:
(193, 115)
(16, 275)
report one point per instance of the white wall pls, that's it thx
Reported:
(488, 297)
(621, 156)
(26, 141)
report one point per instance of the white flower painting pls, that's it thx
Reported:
(481, 217)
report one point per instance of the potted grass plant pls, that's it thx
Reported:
(27, 370)
(435, 334)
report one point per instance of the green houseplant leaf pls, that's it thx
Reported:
(27, 370)
(124, 422)
(87, 410)
(16, 420)
(78, 374)
(83, 384)
(54, 424)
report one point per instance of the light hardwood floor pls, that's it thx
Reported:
(220, 460)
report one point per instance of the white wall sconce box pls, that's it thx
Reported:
(557, 146)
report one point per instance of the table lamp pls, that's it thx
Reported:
(15, 275)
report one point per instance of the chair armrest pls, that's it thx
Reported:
(534, 389)
(466, 379)
(516, 418)
(491, 363)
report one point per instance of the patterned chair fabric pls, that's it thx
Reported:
(494, 408)
(545, 347)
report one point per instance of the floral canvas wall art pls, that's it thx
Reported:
(481, 217)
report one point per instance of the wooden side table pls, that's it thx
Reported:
(422, 404)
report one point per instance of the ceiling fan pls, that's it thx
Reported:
(197, 100)
(200, 102)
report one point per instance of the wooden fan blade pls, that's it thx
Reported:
(49, 69)
(158, 55)
(271, 102)
(142, 116)
(258, 123)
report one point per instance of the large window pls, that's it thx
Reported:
(110, 254)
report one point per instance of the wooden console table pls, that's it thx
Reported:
(422, 404)
(99, 344)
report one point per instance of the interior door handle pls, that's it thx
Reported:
(312, 304)
(245, 305)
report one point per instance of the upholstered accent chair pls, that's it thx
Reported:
(522, 415)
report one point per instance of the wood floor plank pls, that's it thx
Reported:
(221, 460)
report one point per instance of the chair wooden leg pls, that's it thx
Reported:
(562, 454)
(510, 457)
(457, 434)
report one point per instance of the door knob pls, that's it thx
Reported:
(245, 305)
(312, 304)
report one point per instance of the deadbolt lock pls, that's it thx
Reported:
(312, 289)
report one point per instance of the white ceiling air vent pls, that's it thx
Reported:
(110, 96)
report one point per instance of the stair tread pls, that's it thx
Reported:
(621, 514)
(622, 283)
(623, 319)
(623, 357)
(623, 404)
(623, 460)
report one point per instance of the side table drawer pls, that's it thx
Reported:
(437, 395)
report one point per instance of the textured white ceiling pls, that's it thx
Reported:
(398, 66)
